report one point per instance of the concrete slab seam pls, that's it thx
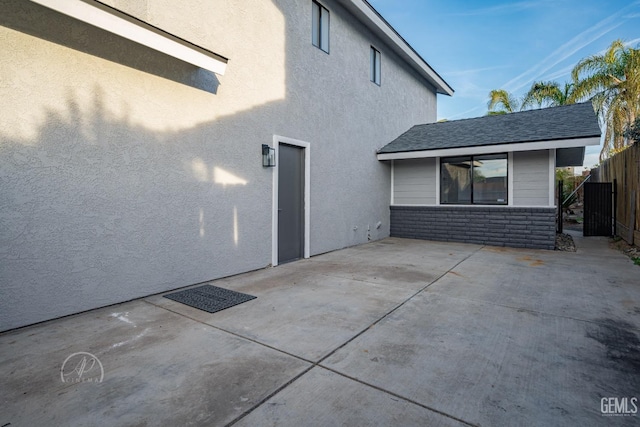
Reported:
(359, 334)
(406, 399)
(314, 364)
(278, 390)
(397, 307)
(232, 333)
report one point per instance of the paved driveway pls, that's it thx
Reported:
(395, 332)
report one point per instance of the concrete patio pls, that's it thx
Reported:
(394, 332)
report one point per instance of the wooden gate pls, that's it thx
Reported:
(598, 207)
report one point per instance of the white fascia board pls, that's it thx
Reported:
(114, 21)
(383, 30)
(552, 177)
(488, 149)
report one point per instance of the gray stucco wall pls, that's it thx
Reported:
(124, 172)
(497, 226)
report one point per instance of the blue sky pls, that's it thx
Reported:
(477, 46)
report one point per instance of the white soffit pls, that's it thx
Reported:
(114, 21)
(489, 149)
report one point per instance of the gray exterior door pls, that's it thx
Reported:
(290, 203)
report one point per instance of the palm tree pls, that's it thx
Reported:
(549, 94)
(502, 98)
(612, 80)
(541, 94)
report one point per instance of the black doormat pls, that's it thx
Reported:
(209, 298)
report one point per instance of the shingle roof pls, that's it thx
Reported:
(547, 124)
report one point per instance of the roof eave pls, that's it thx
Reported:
(380, 27)
(493, 148)
(105, 17)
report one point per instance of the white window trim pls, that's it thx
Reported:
(437, 180)
(510, 178)
(552, 177)
(393, 179)
(277, 140)
(114, 21)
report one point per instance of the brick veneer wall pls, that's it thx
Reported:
(519, 227)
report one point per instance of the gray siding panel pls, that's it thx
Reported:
(530, 227)
(414, 182)
(531, 178)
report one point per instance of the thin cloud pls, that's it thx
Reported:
(501, 9)
(470, 88)
(466, 113)
(626, 44)
(566, 71)
(547, 64)
(633, 42)
(475, 70)
(568, 49)
(561, 54)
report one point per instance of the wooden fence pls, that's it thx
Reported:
(625, 168)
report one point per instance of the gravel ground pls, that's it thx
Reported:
(631, 251)
(564, 242)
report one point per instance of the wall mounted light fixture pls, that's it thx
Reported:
(268, 156)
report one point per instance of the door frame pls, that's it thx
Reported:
(306, 146)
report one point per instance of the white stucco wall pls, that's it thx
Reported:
(124, 172)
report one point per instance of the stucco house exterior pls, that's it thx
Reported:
(132, 134)
(486, 180)
(151, 145)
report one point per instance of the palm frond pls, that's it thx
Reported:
(547, 94)
(612, 81)
(503, 99)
